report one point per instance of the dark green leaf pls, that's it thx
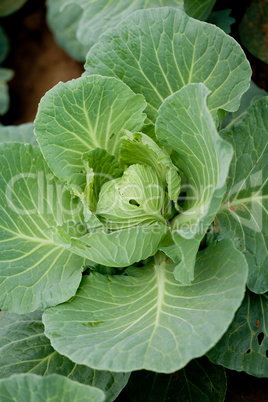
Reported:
(244, 346)
(199, 381)
(243, 215)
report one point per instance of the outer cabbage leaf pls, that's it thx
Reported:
(22, 133)
(140, 148)
(34, 272)
(200, 380)
(186, 125)
(136, 198)
(8, 7)
(243, 215)
(244, 346)
(77, 25)
(156, 52)
(25, 349)
(31, 387)
(81, 115)
(145, 318)
(115, 249)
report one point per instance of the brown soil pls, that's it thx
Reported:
(39, 64)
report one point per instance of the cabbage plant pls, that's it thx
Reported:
(134, 221)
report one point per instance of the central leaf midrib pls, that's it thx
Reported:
(240, 202)
(160, 278)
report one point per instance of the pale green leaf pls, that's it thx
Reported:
(115, 249)
(8, 7)
(244, 346)
(199, 381)
(25, 349)
(186, 125)
(80, 115)
(243, 215)
(140, 148)
(145, 318)
(31, 387)
(136, 198)
(34, 272)
(156, 52)
(22, 133)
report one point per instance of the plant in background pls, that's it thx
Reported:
(130, 172)
(253, 29)
(5, 73)
(7, 7)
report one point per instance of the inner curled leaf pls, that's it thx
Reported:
(136, 198)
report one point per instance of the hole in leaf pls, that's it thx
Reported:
(134, 202)
(267, 354)
(248, 351)
(260, 338)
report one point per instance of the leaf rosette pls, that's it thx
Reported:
(137, 150)
(92, 134)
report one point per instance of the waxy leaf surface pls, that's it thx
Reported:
(34, 272)
(156, 52)
(146, 319)
(185, 124)
(114, 249)
(81, 115)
